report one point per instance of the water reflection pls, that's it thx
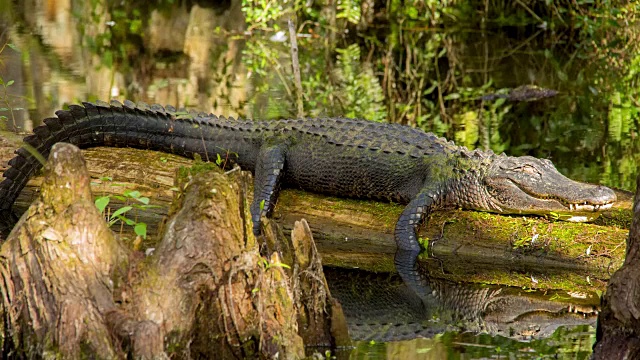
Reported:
(380, 307)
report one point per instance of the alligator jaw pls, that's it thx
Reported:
(526, 185)
(584, 212)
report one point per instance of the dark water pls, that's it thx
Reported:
(412, 69)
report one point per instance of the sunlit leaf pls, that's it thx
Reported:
(132, 193)
(102, 202)
(141, 230)
(121, 211)
(126, 220)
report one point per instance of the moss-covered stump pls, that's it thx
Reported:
(207, 285)
(206, 292)
(618, 333)
(58, 269)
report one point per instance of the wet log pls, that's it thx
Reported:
(205, 293)
(465, 245)
(618, 330)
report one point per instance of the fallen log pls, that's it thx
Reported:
(465, 245)
(205, 285)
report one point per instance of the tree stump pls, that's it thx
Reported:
(58, 268)
(618, 331)
(71, 289)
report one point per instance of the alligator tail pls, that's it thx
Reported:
(100, 124)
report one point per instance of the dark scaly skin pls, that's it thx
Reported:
(343, 157)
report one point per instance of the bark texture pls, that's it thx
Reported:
(618, 331)
(57, 268)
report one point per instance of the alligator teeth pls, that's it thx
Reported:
(589, 207)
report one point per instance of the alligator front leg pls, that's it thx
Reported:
(268, 175)
(407, 241)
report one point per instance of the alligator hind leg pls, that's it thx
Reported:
(268, 175)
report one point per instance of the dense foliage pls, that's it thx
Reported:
(429, 63)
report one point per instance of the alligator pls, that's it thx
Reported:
(337, 156)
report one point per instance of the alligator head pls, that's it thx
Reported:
(526, 185)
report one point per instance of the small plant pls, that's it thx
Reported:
(266, 264)
(132, 199)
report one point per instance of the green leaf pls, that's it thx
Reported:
(143, 199)
(431, 88)
(102, 202)
(281, 265)
(132, 193)
(10, 82)
(126, 220)
(121, 211)
(141, 230)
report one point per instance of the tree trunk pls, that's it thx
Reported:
(618, 331)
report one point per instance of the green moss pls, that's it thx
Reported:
(385, 213)
(620, 218)
(196, 168)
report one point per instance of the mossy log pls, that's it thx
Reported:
(618, 333)
(71, 290)
(474, 246)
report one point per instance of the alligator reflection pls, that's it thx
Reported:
(382, 307)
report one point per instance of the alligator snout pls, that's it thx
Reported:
(603, 195)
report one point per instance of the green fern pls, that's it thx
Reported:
(350, 10)
(616, 117)
(359, 92)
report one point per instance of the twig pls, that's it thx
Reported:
(529, 11)
(296, 67)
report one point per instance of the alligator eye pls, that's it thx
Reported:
(528, 169)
